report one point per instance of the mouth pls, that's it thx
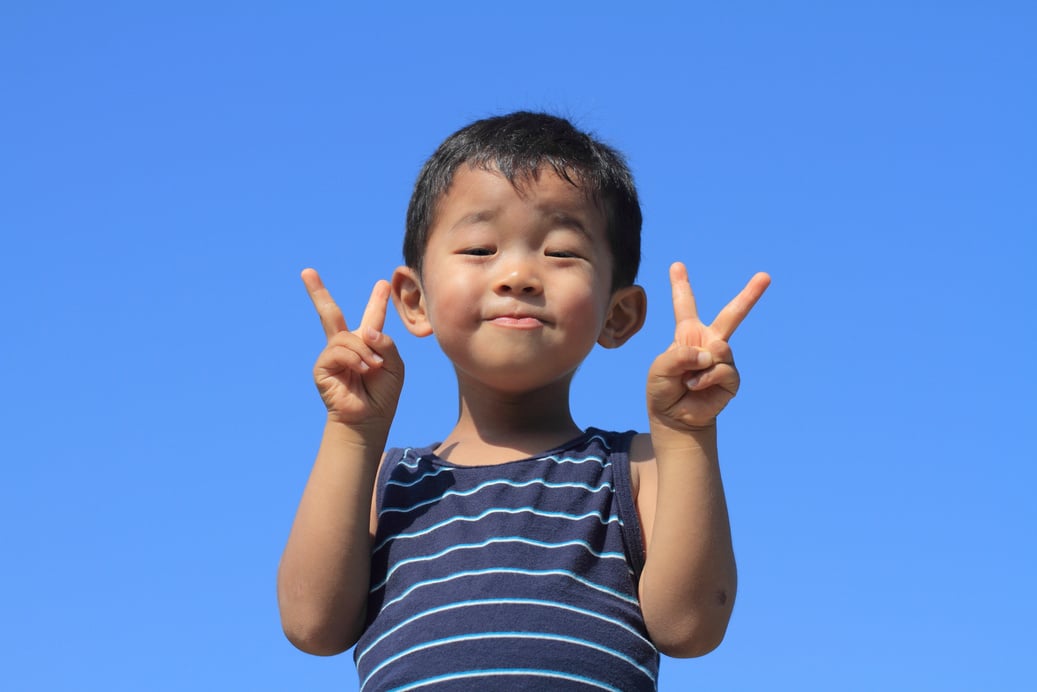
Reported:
(517, 321)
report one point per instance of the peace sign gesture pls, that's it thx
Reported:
(692, 381)
(359, 373)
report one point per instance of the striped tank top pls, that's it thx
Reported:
(520, 575)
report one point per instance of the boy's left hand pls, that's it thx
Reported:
(692, 381)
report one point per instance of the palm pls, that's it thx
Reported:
(687, 389)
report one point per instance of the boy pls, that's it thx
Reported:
(521, 550)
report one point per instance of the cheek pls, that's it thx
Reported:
(449, 299)
(585, 311)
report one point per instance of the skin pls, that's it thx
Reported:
(516, 289)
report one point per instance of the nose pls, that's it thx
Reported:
(519, 277)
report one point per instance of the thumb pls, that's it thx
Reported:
(678, 360)
(384, 347)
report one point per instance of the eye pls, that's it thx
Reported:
(562, 254)
(477, 251)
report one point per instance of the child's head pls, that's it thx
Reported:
(519, 145)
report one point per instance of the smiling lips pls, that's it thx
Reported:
(518, 321)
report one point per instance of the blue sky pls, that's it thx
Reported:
(166, 169)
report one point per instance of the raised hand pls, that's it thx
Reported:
(359, 373)
(692, 381)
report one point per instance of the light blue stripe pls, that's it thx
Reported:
(604, 443)
(523, 572)
(578, 460)
(599, 460)
(411, 465)
(420, 478)
(602, 461)
(501, 672)
(479, 636)
(500, 602)
(500, 510)
(499, 539)
(466, 493)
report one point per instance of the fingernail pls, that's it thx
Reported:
(704, 358)
(371, 334)
(692, 381)
(377, 358)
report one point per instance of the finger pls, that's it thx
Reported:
(724, 376)
(338, 358)
(331, 316)
(721, 352)
(377, 304)
(384, 351)
(357, 344)
(734, 312)
(720, 375)
(679, 361)
(683, 299)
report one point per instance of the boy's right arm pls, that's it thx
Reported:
(323, 578)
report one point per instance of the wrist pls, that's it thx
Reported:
(368, 438)
(687, 438)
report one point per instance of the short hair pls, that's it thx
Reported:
(519, 145)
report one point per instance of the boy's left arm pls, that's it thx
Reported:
(687, 587)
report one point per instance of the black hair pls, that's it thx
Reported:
(519, 145)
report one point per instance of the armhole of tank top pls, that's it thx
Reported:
(632, 537)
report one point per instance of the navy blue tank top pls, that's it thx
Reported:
(520, 575)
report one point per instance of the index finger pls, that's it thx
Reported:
(331, 317)
(734, 312)
(683, 299)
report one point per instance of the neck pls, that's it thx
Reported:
(494, 426)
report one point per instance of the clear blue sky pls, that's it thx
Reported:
(166, 169)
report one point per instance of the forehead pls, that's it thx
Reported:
(487, 192)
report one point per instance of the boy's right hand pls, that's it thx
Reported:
(359, 374)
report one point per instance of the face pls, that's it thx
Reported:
(515, 283)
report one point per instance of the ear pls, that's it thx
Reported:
(409, 298)
(625, 318)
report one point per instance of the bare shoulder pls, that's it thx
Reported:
(644, 479)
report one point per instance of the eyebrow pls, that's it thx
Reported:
(562, 218)
(569, 221)
(474, 218)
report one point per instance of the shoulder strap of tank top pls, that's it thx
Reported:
(632, 536)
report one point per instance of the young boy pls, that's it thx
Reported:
(522, 550)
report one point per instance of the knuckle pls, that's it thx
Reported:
(721, 348)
